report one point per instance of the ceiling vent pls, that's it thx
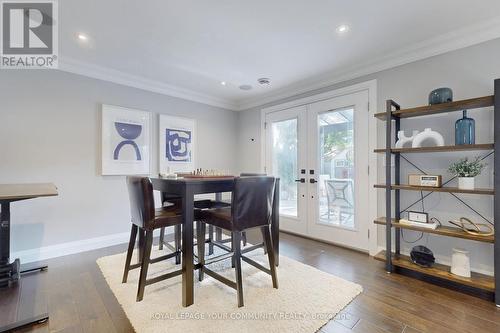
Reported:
(264, 81)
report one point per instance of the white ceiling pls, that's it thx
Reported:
(186, 47)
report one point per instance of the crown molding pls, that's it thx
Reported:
(461, 38)
(458, 39)
(135, 81)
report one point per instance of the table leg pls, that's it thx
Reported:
(40, 319)
(10, 272)
(4, 244)
(275, 223)
(218, 231)
(187, 248)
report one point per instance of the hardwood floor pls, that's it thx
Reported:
(79, 299)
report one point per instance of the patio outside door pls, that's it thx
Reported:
(320, 152)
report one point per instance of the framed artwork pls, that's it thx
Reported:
(126, 141)
(177, 144)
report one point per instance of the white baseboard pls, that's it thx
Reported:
(65, 249)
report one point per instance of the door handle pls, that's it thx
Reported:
(301, 180)
(312, 181)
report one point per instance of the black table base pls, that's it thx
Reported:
(10, 273)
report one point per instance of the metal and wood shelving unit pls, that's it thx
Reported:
(480, 284)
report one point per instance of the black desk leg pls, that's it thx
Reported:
(5, 266)
(40, 319)
(187, 248)
(10, 272)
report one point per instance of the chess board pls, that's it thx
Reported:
(191, 176)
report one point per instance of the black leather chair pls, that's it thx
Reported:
(217, 240)
(145, 219)
(251, 207)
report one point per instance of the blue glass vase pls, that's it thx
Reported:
(465, 130)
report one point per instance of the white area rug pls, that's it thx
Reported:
(306, 300)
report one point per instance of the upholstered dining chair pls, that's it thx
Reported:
(251, 207)
(145, 219)
(216, 240)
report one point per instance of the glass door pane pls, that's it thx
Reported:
(336, 167)
(284, 161)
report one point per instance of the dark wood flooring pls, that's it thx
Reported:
(79, 299)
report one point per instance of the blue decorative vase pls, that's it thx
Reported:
(441, 95)
(465, 130)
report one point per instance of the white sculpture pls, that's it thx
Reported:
(425, 135)
(403, 139)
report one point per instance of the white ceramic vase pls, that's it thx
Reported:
(460, 263)
(404, 140)
(428, 135)
(466, 183)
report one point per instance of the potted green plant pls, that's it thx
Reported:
(466, 170)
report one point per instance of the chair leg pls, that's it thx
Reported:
(177, 241)
(131, 244)
(145, 264)
(211, 239)
(264, 240)
(200, 239)
(233, 261)
(244, 238)
(162, 238)
(237, 260)
(218, 234)
(270, 255)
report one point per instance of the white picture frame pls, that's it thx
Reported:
(126, 141)
(177, 144)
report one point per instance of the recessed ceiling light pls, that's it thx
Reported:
(245, 87)
(223, 83)
(343, 28)
(82, 37)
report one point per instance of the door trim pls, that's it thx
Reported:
(371, 86)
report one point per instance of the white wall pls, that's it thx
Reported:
(50, 132)
(470, 73)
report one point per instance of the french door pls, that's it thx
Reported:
(320, 152)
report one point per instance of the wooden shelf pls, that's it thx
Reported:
(443, 231)
(477, 280)
(472, 103)
(485, 191)
(485, 146)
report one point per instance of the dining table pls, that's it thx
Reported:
(187, 189)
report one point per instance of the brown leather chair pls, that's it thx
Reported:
(251, 207)
(145, 219)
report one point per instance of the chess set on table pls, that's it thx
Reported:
(199, 173)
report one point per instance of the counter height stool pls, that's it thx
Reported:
(145, 219)
(217, 240)
(251, 207)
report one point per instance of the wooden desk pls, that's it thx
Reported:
(10, 273)
(187, 189)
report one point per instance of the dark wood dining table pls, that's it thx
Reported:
(187, 188)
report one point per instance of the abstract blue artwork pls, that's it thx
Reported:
(129, 132)
(178, 145)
